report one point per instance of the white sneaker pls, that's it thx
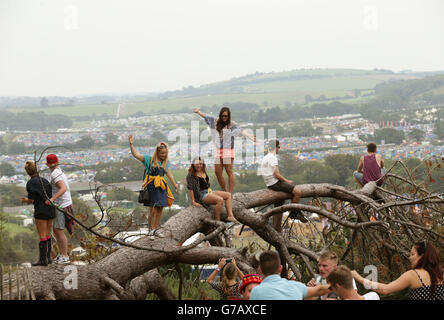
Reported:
(62, 260)
(150, 234)
(158, 233)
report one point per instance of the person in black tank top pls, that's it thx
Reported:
(425, 262)
(201, 195)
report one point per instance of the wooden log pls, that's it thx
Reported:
(25, 284)
(10, 283)
(28, 278)
(1, 282)
(17, 281)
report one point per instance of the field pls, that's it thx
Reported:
(14, 229)
(266, 90)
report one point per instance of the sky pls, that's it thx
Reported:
(69, 48)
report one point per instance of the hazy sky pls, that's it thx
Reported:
(58, 47)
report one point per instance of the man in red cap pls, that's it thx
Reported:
(61, 197)
(249, 281)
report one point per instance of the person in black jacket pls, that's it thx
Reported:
(39, 189)
(198, 184)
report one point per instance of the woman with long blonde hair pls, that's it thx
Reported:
(160, 196)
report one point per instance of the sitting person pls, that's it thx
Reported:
(198, 185)
(341, 283)
(273, 287)
(249, 281)
(425, 280)
(228, 286)
(370, 167)
(327, 262)
(276, 182)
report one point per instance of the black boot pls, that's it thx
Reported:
(48, 250)
(42, 255)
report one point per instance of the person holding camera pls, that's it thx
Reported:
(228, 286)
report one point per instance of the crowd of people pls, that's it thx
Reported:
(335, 282)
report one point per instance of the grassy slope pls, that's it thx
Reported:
(277, 90)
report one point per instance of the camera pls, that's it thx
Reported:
(227, 260)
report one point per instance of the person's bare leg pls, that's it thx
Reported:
(359, 183)
(231, 179)
(157, 216)
(218, 169)
(228, 203)
(150, 218)
(296, 195)
(218, 203)
(41, 226)
(62, 242)
(48, 227)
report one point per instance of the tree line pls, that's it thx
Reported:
(35, 121)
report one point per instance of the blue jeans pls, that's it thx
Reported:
(203, 194)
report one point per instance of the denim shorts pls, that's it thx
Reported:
(60, 221)
(203, 194)
(358, 176)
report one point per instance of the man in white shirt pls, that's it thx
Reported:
(340, 281)
(276, 182)
(327, 262)
(61, 197)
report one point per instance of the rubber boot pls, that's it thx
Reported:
(48, 250)
(42, 255)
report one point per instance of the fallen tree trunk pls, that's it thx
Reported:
(123, 274)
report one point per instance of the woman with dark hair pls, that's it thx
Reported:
(223, 131)
(39, 189)
(425, 280)
(198, 184)
(156, 167)
(228, 286)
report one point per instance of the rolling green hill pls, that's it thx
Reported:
(265, 89)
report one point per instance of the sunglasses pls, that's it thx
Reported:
(224, 116)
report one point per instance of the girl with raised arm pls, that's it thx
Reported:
(160, 195)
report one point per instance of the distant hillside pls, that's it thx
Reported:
(275, 89)
(309, 81)
(426, 91)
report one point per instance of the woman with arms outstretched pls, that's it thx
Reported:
(223, 131)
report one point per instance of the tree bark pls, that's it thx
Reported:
(130, 273)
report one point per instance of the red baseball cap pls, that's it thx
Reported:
(51, 159)
(250, 278)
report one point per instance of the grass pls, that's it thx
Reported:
(14, 229)
(191, 290)
(339, 82)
